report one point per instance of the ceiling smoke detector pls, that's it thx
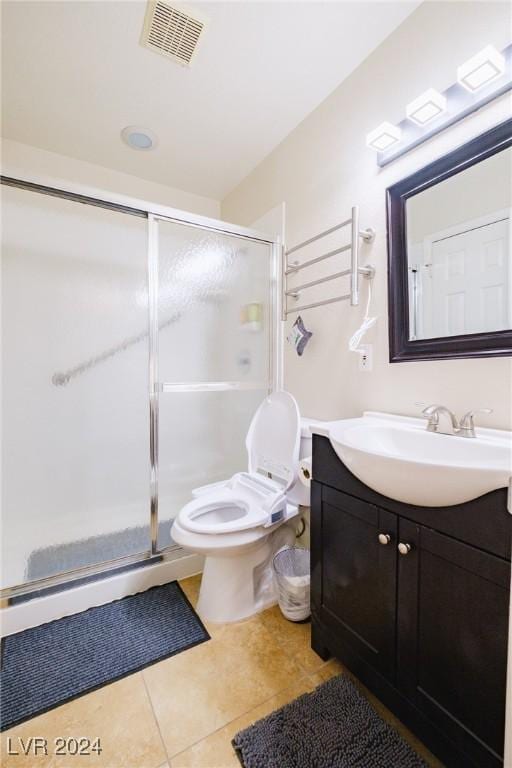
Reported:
(172, 32)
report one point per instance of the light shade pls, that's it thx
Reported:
(482, 69)
(383, 137)
(426, 107)
(139, 138)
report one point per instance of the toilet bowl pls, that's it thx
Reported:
(239, 524)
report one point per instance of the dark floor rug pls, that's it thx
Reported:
(333, 727)
(59, 661)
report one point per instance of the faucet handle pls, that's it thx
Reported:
(431, 413)
(467, 424)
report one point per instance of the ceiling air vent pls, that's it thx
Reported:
(172, 32)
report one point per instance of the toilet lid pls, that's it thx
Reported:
(273, 439)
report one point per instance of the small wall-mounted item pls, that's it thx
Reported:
(299, 336)
(244, 361)
(480, 79)
(354, 344)
(449, 255)
(251, 317)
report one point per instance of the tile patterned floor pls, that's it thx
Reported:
(184, 711)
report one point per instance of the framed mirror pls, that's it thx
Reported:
(449, 254)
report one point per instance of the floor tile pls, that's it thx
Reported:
(197, 692)
(190, 586)
(330, 669)
(119, 714)
(294, 638)
(215, 751)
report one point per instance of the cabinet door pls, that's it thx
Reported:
(452, 638)
(356, 592)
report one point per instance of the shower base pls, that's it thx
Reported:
(74, 597)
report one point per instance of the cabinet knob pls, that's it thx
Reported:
(384, 538)
(404, 548)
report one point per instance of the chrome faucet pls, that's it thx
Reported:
(449, 424)
(435, 424)
(467, 424)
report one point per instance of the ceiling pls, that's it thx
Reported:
(74, 74)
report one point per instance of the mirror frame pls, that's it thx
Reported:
(401, 347)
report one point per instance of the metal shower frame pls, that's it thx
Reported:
(154, 213)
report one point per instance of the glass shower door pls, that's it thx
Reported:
(75, 411)
(214, 357)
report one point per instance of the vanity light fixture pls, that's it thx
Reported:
(480, 80)
(383, 137)
(481, 69)
(426, 107)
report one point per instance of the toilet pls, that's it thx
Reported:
(240, 523)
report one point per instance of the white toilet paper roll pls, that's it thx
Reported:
(305, 471)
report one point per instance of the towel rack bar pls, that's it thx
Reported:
(297, 267)
(345, 297)
(320, 280)
(319, 236)
(367, 271)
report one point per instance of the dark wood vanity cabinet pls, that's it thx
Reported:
(359, 576)
(426, 631)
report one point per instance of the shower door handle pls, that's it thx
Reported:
(213, 386)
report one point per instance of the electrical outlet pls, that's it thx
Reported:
(365, 357)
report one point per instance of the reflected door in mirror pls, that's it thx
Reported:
(464, 286)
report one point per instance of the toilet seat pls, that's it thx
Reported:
(246, 501)
(227, 545)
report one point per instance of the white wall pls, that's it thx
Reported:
(19, 160)
(323, 168)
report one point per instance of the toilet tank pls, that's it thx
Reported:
(298, 493)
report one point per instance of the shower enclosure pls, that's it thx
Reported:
(137, 342)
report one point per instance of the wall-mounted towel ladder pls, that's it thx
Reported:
(291, 268)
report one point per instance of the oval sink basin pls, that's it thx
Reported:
(397, 457)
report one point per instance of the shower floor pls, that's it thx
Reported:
(52, 560)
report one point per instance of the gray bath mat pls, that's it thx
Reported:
(333, 727)
(59, 661)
